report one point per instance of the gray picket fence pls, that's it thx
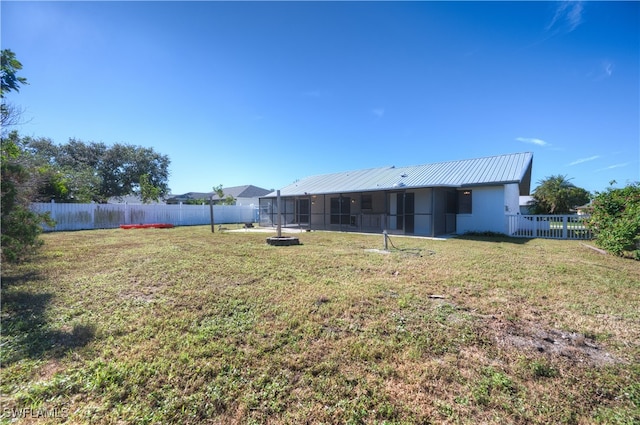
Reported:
(107, 216)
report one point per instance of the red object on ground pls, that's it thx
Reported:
(147, 226)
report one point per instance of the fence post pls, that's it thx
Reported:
(53, 212)
(211, 213)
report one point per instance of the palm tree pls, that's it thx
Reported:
(557, 195)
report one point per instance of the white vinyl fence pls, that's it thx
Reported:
(106, 216)
(549, 226)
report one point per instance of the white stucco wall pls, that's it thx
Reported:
(512, 198)
(488, 211)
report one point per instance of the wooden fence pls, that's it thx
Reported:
(549, 226)
(105, 216)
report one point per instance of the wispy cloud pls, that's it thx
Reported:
(378, 112)
(567, 17)
(611, 167)
(603, 71)
(581, 160)
(533, 141)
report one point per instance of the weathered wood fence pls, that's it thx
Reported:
(549, 226)
(105, 216)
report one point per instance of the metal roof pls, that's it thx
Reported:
(246, 191)
(493, 170)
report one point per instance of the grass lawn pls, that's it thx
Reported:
(185, 326)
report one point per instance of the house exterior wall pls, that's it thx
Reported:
(511, 198)
(487, 211)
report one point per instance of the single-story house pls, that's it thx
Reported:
(456, 197)
(243, 195)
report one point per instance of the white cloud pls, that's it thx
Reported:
(611, 167)
(608, 68)
(378, 112)
(567, 17)
(602, 71)
(574, 14)
(534, 141)
(581, 160)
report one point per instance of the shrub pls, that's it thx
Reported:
(615, 220)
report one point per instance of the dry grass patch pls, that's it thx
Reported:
(184, 326)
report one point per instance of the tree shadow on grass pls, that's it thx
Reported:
(25, 331)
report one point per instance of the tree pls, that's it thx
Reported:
(122, 165)
(615, 220)
(222, 198)
(19, 226)
(94, 172)
(557, 195)
(148, 192)
(10, 82)
(58, 179)
(10, 66)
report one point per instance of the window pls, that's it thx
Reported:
(367, 202)
(464, 202)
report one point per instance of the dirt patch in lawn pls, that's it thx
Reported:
(534, 337)
(143, 292)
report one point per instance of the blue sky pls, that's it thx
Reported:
(265, 93)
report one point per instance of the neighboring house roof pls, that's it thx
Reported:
(246, 191)
(585, 207)
(525, 201)
(494, 170)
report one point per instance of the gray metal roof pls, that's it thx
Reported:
(493, 170)
(246, 191)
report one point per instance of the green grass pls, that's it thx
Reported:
(185, 326)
